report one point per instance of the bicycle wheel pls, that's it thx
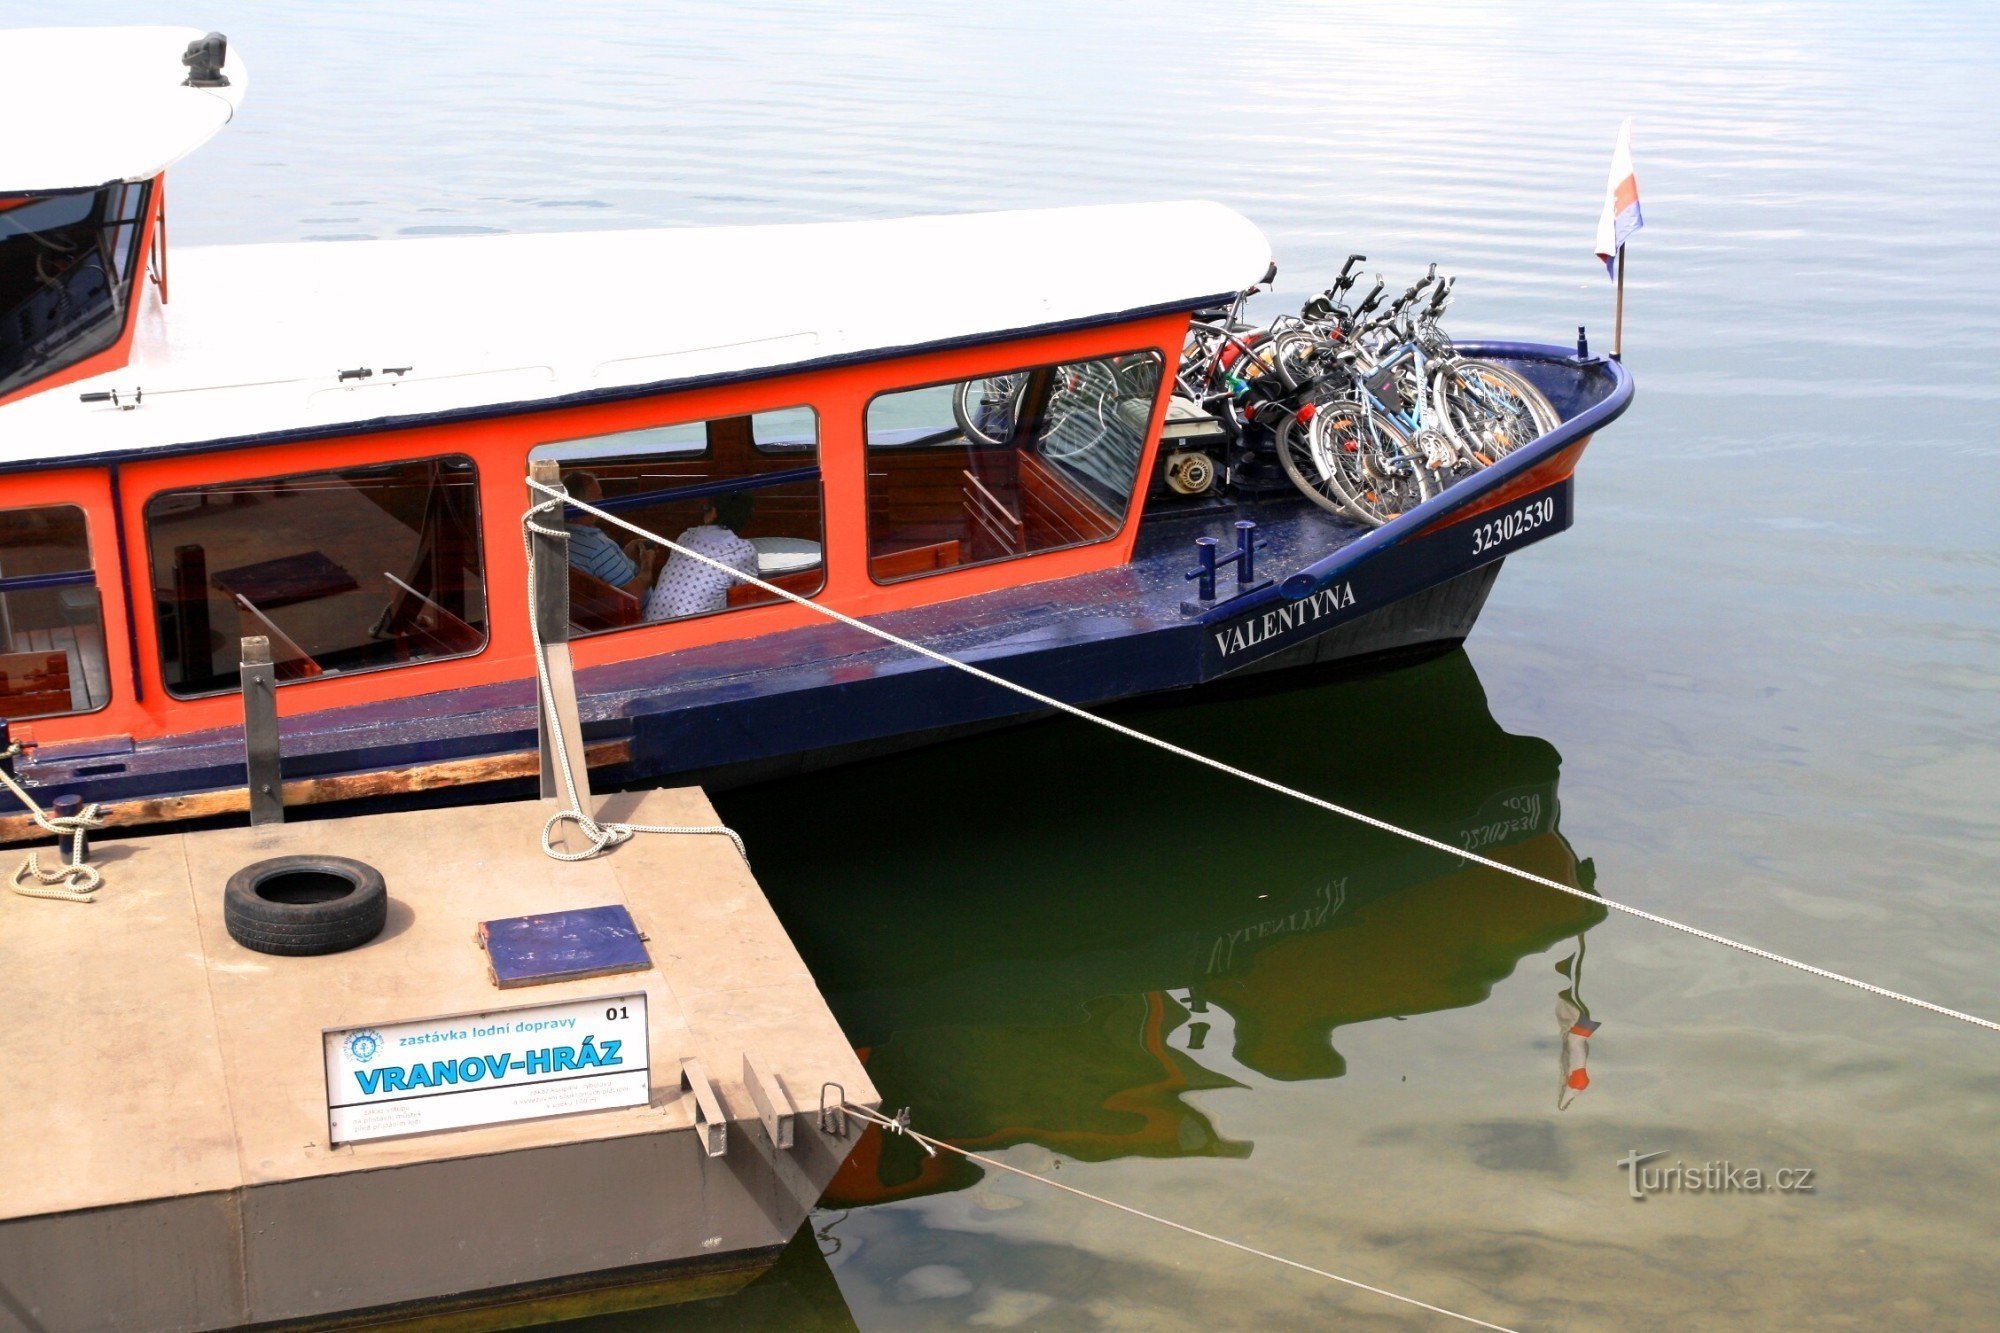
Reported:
(985, 409)
(1490, 411)
(1295, 356)
(1303, 466)
(1351, 462)
(1081, 403)
(1196, 375)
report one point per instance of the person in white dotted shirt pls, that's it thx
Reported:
(687, 587)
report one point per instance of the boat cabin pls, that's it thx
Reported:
(326, 443)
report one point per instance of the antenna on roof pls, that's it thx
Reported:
(204, 58)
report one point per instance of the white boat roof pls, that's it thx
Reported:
(256, 335)
(89, 106)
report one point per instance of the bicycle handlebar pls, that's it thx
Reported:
(1442, 297)
(1406, 300)
(1367, 302)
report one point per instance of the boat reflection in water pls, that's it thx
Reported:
(1034, 937)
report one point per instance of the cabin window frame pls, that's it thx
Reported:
(123, 233)
(1120, 521)
(815, 451)
(475, 533)
(56, 579)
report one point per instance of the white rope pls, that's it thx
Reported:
(901, 1125)
(1331, 807)
(602, 834)
(73, 883)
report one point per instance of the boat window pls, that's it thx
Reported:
(1009, 465)
(66, 263)
(354, 570)
(741, 490)
(51, 624)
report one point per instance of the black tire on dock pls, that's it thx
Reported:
(304, 905)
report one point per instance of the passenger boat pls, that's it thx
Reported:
(326, 444)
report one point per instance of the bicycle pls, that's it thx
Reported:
(1081, 414)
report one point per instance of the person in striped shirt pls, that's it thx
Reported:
(592, 550)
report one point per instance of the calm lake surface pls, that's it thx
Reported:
(1756, 688)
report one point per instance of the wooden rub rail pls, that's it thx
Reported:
(321, 791)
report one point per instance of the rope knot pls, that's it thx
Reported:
(601, 836)
(72, 883)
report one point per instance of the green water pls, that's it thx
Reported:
(1768, 655)
(1045, 962)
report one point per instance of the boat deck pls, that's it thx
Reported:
(166, 1095)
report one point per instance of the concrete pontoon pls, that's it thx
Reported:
(164, 1142)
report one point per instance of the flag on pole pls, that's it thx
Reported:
(1621, 201)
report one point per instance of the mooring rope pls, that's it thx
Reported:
(901, 1125)
(1268, 784)
(601, 833)
(73, 883)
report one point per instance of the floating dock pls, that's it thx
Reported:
(167, 1159)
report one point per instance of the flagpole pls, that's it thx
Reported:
(1618, 328)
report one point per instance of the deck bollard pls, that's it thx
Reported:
(1204, 551)
(1247, 542)
(66, 806)
(260, 732)
(1244, 557)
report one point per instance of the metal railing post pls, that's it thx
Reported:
(549, 604)
(260, 732)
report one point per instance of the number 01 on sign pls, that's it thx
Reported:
(482, 1069)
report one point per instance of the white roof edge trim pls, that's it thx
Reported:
(109, 104)
(256, 335)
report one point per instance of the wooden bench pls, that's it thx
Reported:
(893, 565)
(1058, 512)
(596, 605)
(988, 514)
(34, 684)
(424, 623)
(801, 581)
(83, 645)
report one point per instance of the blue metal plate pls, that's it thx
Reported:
(562, 946)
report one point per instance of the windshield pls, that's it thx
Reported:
(66, 265)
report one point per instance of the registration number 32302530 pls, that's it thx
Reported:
(1514, 523)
